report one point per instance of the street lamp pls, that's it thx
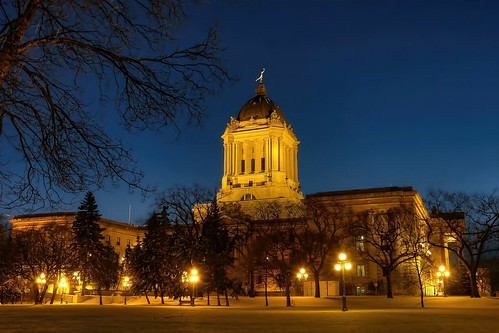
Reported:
(194, 278)
(342, 266)
(63, 284)
(76, 279)
(442, 274)
(126, 284)
(40, 281)
(302, 276)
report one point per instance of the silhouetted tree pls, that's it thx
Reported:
(87, 237)
(106, 275)
(320, 235)
(156, 254)
(136, 267)
(218, 249)
(389, 239)
(242, 230)
(279, 224)
(56, 54)
(9, 288)
(44, 250)
(465, 225)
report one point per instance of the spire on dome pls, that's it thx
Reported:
(260, 90)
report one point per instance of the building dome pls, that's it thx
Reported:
(260, 106)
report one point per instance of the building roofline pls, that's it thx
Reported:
(73, 214)
(44, 215)
(361, 191)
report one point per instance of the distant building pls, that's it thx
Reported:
(118, 234)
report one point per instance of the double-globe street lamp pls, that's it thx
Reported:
(342, 266)
(302, 276)
(442, 274)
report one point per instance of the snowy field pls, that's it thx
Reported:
(366, 314)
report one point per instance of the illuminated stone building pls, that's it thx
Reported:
(260, 154)
(365, 276)
(118, 234)
(261, 164)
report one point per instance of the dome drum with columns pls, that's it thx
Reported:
(260, 153)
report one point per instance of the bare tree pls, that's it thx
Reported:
(45, 250)
(58, 58)
(279, 223)
(320, 235)
(465, 225)
(388, 238)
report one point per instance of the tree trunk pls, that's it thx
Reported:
(208, 295)
(53, 294)
(36, 293)
(474, 286)
(226, 297)
(288, 294)
(317, 285)
(100, 296)
(251, 292)
(147, 298)
(83, 285)
(389, 291)
(218, 298)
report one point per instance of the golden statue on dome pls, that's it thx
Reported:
(260, 78)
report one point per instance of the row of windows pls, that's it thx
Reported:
(252, 165)
(118, 240)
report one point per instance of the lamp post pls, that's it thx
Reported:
(302, 276)
(266, 282)
(76, 279)
(193, 278)
(126, 284)
(63, 284)
(40, 281)
(342, 266)
(442, 274)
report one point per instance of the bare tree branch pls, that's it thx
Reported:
(55, 54)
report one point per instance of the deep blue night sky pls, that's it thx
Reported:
(380, 93)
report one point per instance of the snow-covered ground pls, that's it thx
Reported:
(366, 314)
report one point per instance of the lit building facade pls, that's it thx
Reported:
(117, 234)
(261, 164)
(260, 154)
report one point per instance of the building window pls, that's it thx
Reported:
(359, 243)
(118, 241)
(361, 270)
(243, 166)
(262, 166)
(108, 239)
(252, 165)
(247, 197)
